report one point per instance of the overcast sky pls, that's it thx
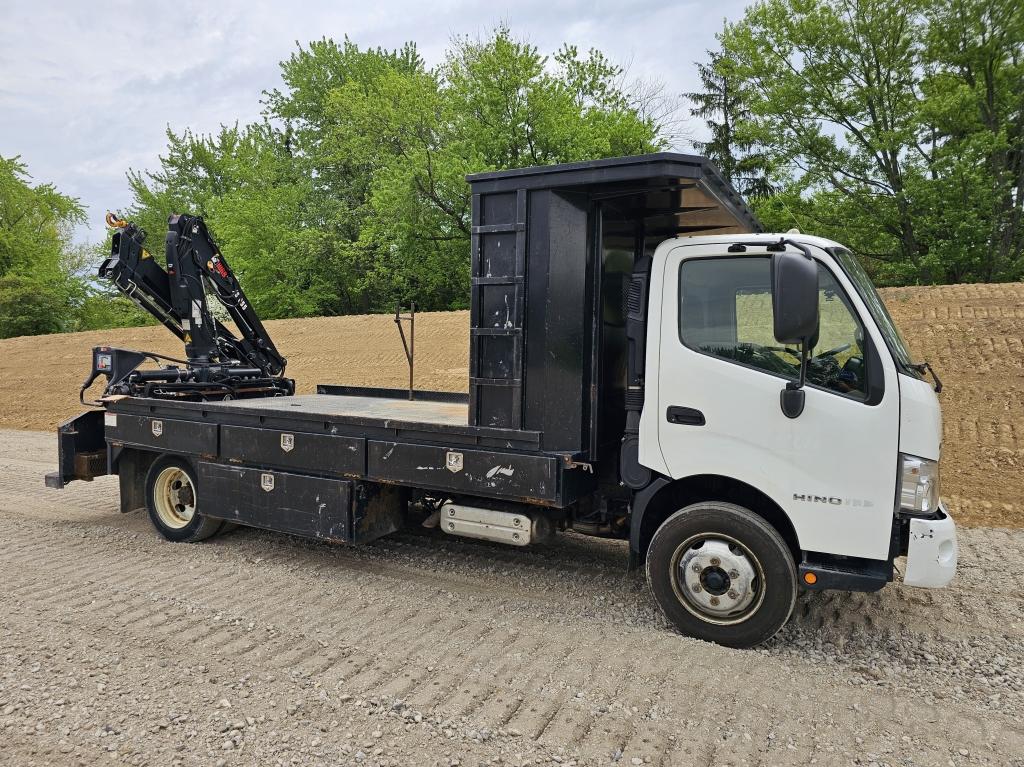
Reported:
(88, 89)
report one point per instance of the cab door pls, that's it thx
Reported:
(833, 468)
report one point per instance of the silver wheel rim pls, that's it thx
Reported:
(174, 498)
(717, 579)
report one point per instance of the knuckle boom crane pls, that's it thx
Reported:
(219, 365)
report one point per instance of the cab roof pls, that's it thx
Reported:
(759, 238)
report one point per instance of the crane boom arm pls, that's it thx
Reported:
(219, 363)
(194, 262)
(177, 297)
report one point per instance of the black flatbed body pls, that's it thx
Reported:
(553, 252)
(376, 435)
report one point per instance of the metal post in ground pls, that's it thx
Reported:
(410, 345)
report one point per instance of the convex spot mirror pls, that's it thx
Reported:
(794, 297)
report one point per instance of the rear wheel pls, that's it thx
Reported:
(720, 572)
(172, 500)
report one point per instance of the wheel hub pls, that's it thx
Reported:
(715, 580)
(182, 494)
(718, 578)
(174, 498)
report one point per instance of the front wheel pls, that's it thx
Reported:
(721, 573)
(172, 500)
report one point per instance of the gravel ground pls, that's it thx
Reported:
(263, 649)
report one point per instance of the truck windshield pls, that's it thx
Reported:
(869, 294)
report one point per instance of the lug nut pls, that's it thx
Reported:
(696, 587)
(715, 561)
(714, 601)
(734, 573)
(695, 568)
(732, 594)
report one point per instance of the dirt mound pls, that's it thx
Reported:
(972, 334)
(362, 350)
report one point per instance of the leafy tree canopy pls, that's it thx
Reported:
(895, 126)
(38, 280)
(351, 195)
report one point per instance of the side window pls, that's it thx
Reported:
(726, 312)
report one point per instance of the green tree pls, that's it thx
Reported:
(244, 182)
(494, 103)
(352, 195)
(722, 105)
(973, 107)
(339, 180)
(900, 125)
(38, 280)
(285, 208)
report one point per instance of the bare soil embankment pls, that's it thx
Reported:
(972, 334)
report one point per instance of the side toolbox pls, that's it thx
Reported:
(315, 507)
(277, 500)
(519, 476)
(326, 453)
(163, 434)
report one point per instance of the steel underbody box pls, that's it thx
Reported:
(277, 500)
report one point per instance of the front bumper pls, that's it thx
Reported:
(931, 551)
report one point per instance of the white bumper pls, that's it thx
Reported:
(932, 552)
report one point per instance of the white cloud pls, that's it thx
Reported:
(87, 91)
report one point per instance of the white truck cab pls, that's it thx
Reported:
(857, 465)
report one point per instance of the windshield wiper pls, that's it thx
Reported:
(924, 367)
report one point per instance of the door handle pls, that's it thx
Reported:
(685, 416)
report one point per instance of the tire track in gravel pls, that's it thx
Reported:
(461, 635)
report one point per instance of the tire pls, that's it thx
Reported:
(721, 573)
(170, 486)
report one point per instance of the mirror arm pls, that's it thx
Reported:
(793, 397)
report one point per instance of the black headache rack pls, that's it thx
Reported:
(558, 256)
(560, 268)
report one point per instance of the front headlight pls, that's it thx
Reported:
(919, 485)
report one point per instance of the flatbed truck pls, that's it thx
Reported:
(644, 364)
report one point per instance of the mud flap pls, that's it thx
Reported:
(81, 450)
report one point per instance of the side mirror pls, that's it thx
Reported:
(795, 317)
(794, 297)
